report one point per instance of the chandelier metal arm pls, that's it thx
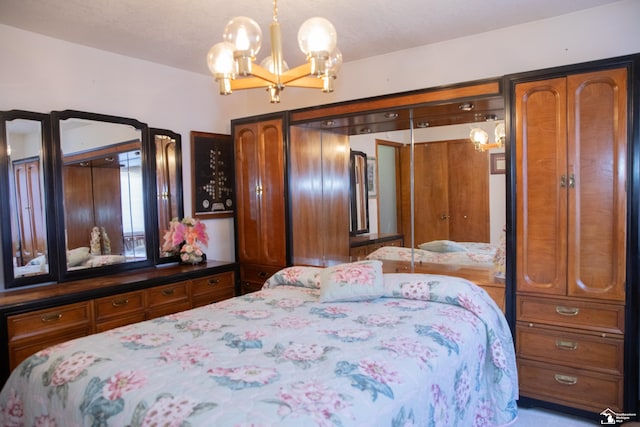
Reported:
(308, 82)
(249, 83)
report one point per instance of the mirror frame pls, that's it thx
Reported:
(355, 208)
(148, 182)
(5, 201)
(153, 132)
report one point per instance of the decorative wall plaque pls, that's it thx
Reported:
(212, 175)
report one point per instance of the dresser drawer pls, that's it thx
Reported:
(575, 314)
(119, 305)
(591, 391)
(168, 294)
(570, 349)
(168, 299)
(19, 350)
(257, 274)
(51, 320)
(214, 288)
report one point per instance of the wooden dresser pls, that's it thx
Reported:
(35, 318)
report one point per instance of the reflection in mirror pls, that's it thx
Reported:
(26, 258)
(454, 196)
(168, 182)
(359, 193)
(104, 200)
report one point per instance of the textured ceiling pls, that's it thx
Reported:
(179, 33)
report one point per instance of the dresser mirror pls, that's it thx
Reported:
(25, 138)
(168, 161)
(105, 210)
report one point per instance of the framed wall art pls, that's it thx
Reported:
(498, 163)
(372, 178)
(212, 175)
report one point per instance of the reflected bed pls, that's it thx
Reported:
(345, 346)
(467, 253)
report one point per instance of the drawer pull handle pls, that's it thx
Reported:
(262, 274)
(567, 311)
(53, 317)
(168, 292)
(566, 379)
(566, 345)
(214, 282)
(120, 302)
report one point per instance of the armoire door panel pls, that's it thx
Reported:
(271, 197)
(541, 186)
(246, 192)
(597, 111)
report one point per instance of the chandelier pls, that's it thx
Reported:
(232, 61)
(480, 138)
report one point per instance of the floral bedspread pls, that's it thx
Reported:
(435, 351)
(478, 254)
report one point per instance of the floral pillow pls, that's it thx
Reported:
(355, 281)
(306, 277)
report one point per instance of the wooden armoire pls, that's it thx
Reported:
(572, 289)
(292, 189)
(261, 224)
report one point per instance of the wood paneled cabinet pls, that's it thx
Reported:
(34, 330)
(571, 158)
(260, 199)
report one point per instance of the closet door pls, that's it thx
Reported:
(541, 183)
(597, 147)
(431, 192)
(468, 192)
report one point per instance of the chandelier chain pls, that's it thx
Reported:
(275, 10)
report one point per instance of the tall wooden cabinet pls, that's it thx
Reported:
(260, 200)
(571, 207)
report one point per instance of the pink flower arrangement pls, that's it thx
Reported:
(185, 237)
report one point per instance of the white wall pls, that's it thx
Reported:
(43, 74)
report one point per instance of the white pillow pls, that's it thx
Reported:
(39, 260)
(443, 246)
(355, 281)
(77, 256)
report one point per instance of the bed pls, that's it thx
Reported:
(341, 346)
(441, 252)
